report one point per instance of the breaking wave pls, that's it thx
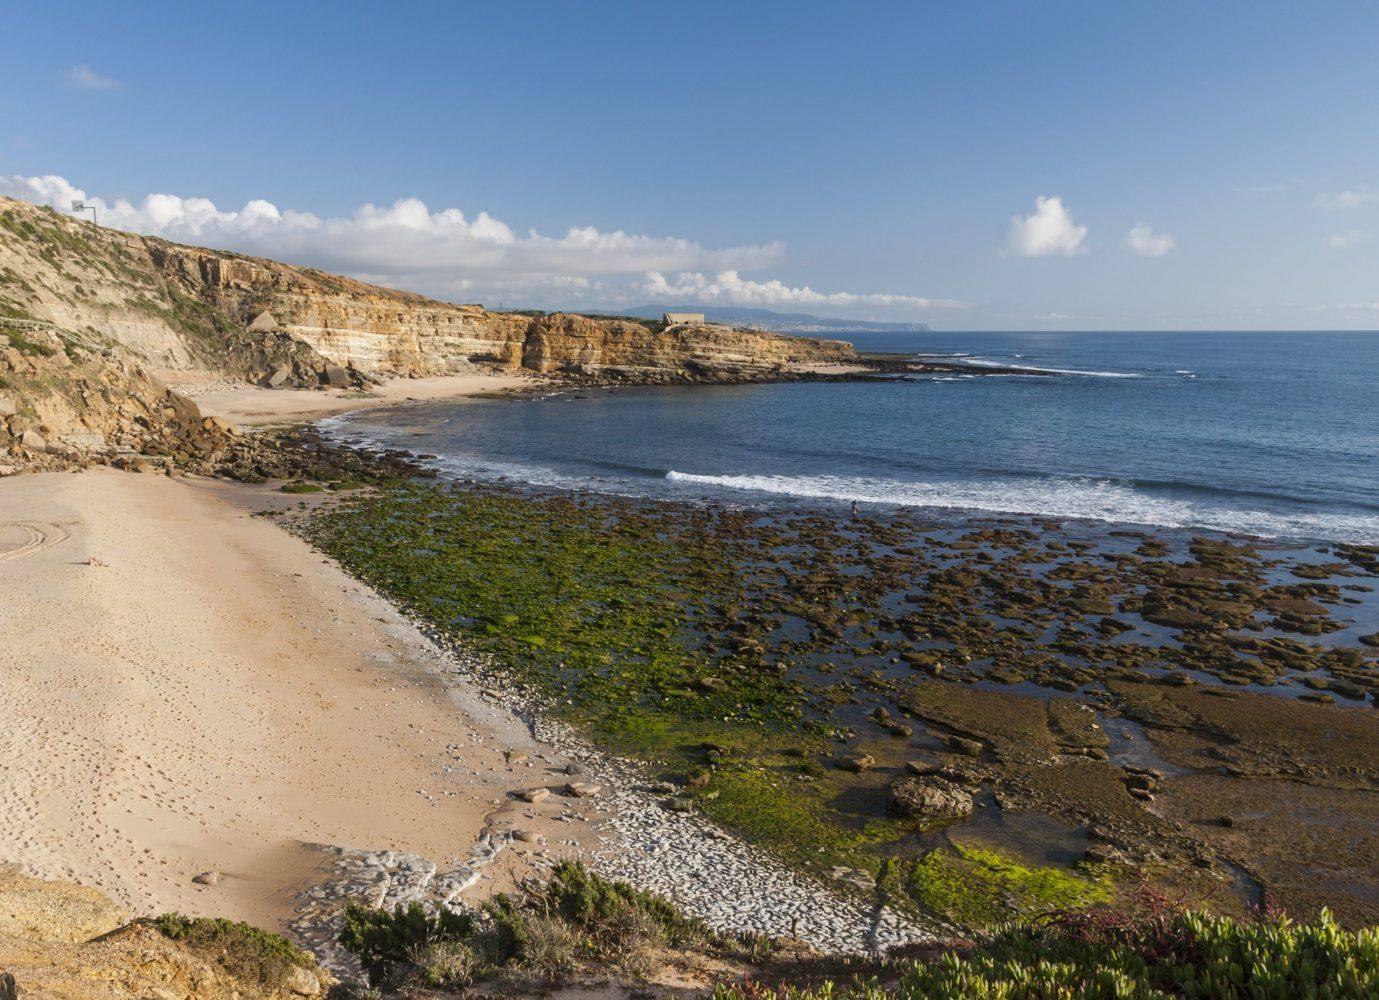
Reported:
(1083, 499)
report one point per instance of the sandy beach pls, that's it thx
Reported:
(251, 405)
(189, 688)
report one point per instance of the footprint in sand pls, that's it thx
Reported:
(24, 538)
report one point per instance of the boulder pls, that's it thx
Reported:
(857, 762)
(33, 441)
(534, 794)
(335, 376)
(915, 797)
(35, 910)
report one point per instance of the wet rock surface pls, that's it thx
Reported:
(784, 668)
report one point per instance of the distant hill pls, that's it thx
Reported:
(775, 322)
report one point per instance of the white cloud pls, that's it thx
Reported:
(1144, 241)
(448, 254)
(83, 77)
(731, 288)
(1050, 230)
(1356, 197)
(1347, 239)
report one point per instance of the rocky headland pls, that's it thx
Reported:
(95, 323)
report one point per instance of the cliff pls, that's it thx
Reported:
(60, 940)
(177, 308)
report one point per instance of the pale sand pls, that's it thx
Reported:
(217, 695)
(830, 368)
(248, 405)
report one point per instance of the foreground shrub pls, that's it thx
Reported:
(548, 932)
(1106, 955)
(246, 952)
(404, 936)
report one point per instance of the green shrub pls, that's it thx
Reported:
(382, 939)
(246, 952)
(603, 907)
(544, 932)
(448, 963)
(1105, 955)
(300, 487)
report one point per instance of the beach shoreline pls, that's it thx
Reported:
(191, 689)
(254, 406)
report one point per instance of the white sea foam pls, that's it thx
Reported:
(980, 362)
(1084, 498)
(1090, 499)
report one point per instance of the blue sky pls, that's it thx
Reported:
(867, 160)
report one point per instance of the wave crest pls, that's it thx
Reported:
(1083, 499)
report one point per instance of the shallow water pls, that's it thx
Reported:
(1273, 434)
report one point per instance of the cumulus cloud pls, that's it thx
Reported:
(450, 254)
(1049, 231)
(83, 77)
(1347, 239)
(729, 287)
(1356, 197)
(1144, 241)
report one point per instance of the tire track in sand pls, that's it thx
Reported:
(34, 537)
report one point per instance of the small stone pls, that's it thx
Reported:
(517, 756)
(965, 746)
(527, 836)
(574, 768)
(534, 794)
(857, 762)
(582, 789)
(206, 878)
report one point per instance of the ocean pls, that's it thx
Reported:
(1274, 434)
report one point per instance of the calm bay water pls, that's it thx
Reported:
(1268, 433)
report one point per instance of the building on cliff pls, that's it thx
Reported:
(683, 319)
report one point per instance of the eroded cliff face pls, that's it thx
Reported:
(178, 308)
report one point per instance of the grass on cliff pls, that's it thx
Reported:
(548, 932)
(246, 952)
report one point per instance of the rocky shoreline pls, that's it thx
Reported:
(642, 839)
(1041, 680)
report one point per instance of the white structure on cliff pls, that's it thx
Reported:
(683, 319)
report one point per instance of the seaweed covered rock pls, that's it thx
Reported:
(928, 797)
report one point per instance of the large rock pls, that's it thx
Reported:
(35, 910)
(336, 376)
(928, 797)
